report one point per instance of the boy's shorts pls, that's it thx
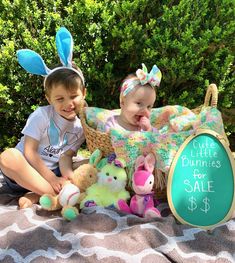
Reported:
(17, 188)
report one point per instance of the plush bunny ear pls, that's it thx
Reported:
(120, 162)
(95, 157)
(149, 162)
(64, 44)
(139, 162)
(32, 62)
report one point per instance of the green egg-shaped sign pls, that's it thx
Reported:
(201, 181)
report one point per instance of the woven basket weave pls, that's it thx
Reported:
(95, 139)
(101, 140)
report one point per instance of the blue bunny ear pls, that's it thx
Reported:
(64, 44)
(32, 62)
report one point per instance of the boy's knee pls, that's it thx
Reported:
(9, 157)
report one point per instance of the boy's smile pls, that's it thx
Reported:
(65, 102)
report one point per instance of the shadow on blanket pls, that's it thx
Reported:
(106, 235)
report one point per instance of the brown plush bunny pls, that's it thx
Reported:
(74, 191)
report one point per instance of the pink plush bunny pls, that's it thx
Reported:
(142, 203)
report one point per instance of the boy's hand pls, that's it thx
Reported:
(145, 124)
(57, 183)
(69, 175)
(66, 164)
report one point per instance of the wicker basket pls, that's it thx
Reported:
(95, 139)
(101, 140)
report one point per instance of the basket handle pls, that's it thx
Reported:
(211, 97)
(81, 111)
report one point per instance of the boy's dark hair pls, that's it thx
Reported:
(66, 77)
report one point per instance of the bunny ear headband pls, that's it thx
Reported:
(143, 77)
(33, 63)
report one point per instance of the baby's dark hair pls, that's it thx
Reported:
(66, 77)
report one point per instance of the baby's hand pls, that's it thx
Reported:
(145, 124)
(57, 183)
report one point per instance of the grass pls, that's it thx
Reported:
(84, 152)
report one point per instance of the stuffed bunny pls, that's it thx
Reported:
(110, 186)
(142, 203)
(73, 191)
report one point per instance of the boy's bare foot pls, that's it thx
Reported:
(28, 200)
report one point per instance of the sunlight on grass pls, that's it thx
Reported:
(84, 152)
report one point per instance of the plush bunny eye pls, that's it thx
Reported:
(150, 182)
(115, 177)
(90, 175)
(107, 174)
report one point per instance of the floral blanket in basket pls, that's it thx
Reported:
(174, 124)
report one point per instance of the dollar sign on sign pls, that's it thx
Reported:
(207, 206)
(193, 204)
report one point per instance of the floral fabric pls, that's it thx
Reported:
(174, 123)
(97, 117)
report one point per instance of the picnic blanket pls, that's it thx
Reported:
(106, 235)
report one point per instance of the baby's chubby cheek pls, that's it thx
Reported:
(147, 114)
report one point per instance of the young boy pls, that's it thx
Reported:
(51, 137)
(42, 160)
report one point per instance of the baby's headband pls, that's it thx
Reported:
(33, 63)
(143, 77)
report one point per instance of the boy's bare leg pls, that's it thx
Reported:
(28, 200)
(78, 163)
(15, 166)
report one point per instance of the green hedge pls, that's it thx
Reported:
(191, 41)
